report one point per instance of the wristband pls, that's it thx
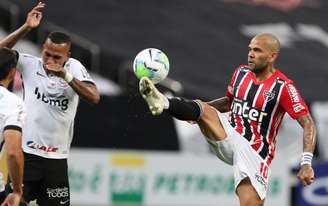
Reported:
(68, 77)
(306, 158)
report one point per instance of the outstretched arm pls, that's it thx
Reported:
(221, 104)
(306, 173)
(32, 21)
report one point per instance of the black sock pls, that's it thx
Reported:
(183, 109)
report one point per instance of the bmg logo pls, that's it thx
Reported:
(61, 103)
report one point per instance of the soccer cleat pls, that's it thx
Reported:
(153, 97)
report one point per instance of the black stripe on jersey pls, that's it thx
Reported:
(241, 74)
(233, 120)
(13, 127)
(250, 98)
(270, 105)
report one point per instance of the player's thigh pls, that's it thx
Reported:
(247, 194)
(55, 186)
(210, 123)
(33, 174)
(31, 190)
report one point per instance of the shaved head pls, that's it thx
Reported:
(271, 42)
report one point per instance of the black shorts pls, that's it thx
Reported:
(46, 181)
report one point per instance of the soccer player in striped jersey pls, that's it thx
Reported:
(257, 98)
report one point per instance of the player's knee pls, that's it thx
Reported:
(251, 200)
(255, 201)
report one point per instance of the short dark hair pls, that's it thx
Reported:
(8, 61)
(59, 38)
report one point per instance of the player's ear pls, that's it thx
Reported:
(274, 56)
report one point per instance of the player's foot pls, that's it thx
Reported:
(153, 97)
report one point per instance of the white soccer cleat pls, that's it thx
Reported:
(153, 97)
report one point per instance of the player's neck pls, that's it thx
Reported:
(264, 74)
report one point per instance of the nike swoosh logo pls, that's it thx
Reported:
(38, 73)
(63, 202)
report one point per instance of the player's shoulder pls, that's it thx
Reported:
(283, 78)
(243, 68)
(74, 64)
(28, 57)
(10, 100)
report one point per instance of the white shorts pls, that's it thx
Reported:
(235, 150)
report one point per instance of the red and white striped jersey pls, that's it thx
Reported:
(258, 107)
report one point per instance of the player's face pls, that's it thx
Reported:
(259, 55)
(55, 53)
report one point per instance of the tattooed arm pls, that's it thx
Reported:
(221, 104)
(306, 173)
(309, 132)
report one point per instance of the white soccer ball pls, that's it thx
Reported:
(151, 63)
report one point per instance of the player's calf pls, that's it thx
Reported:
(179, 108)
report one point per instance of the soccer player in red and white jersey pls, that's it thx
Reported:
(257, 99)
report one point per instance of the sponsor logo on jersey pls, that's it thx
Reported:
(58, 192)
(261, 180)
(37, 146)
(242, 108)
(59, 102)
(297, 105)
(293, 93)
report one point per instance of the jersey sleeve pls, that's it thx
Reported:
(80, 72)
(292, 102)
(15, 118)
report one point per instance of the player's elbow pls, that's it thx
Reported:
(95, 99)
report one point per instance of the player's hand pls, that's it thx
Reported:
(306, 174)
(35, 15)
(13, 199)
(55, 69)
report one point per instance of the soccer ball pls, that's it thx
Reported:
(151, 63)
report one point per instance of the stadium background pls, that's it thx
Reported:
(121, 154)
